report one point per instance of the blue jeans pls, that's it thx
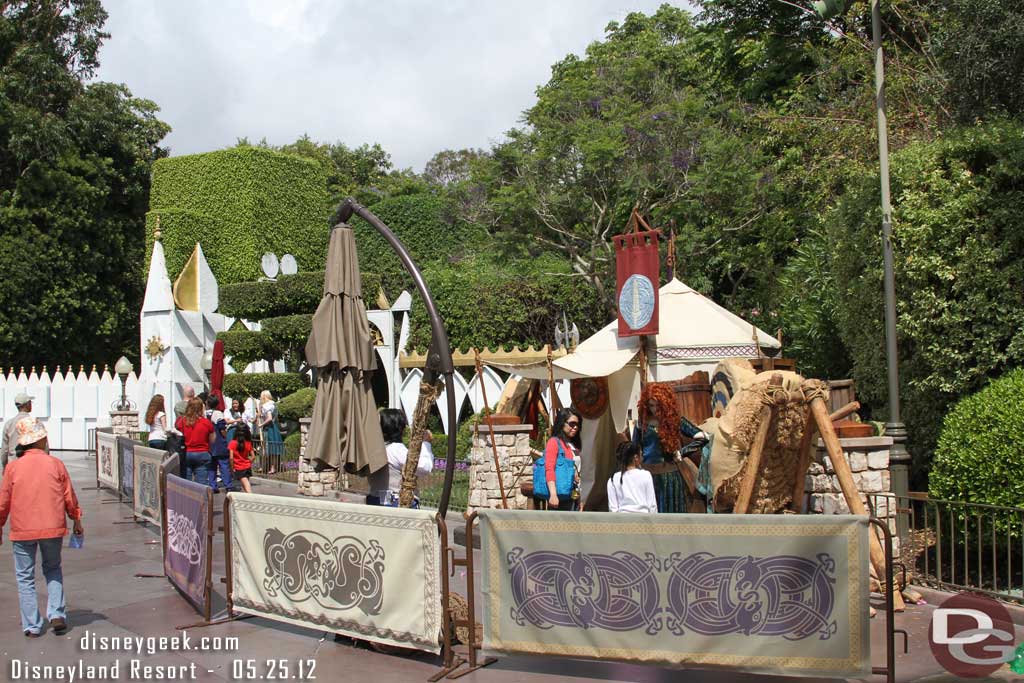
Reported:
(25, 571)
(198, 466)
(224, 463)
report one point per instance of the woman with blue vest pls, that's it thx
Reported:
(563, 444)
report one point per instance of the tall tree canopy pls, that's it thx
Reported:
(74, 181)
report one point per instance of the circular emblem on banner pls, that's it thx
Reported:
(589, 396)
(636, 301)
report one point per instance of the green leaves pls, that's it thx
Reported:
(75, 161)
(978, 458)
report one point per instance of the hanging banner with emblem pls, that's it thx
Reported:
(637, 268)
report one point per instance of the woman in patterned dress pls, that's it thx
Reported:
(659, 436)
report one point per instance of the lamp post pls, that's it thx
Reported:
(123, 367)
(206, 363)
(899, 458)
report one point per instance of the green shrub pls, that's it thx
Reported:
(263, 201)
(246, 346)
(428, 229)
(292, 446)
(298, 293)
(243, 384)
(979, 458)
(297, 405)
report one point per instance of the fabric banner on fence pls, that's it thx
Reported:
(108, 461)
(146, 503)
(187, 556)
(762, 593)
(366, 572)
(126, 459)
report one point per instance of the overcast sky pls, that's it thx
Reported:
(415, 76)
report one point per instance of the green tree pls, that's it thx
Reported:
(74, 179)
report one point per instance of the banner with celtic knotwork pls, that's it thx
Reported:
(126, 457)
(761, 593)
(367, 572)
(108, 462)
(146, 501)
(187, 526)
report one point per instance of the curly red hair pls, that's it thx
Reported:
(667, 414)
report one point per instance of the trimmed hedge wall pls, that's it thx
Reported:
(428, 229)
(263, 201)
(486, 304)
(288, 295)
(243, 384)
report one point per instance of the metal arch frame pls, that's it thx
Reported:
(439, 335)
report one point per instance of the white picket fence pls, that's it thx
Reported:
(70, 403)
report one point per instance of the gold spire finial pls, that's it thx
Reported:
(156, 229)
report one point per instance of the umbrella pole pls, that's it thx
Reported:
(438, 334)
(490, 426)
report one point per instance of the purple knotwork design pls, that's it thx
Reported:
(784, 595)
(617, 592)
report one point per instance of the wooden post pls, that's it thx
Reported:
(752, 470)
(850, 492)
(806, 446)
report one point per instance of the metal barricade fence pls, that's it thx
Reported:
(954, 545)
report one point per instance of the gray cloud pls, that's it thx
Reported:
(417, 77)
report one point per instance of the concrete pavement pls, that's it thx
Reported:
(106, 600)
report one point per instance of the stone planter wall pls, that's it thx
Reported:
(513, 445)
(869, 462)
(314, 480)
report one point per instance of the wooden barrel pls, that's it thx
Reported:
(693, 396)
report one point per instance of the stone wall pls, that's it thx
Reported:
(869, 462)
(314, 480)
(123, 422)
(513, 446)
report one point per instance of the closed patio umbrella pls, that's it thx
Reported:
(345, 430)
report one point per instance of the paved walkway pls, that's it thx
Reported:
(105, 599)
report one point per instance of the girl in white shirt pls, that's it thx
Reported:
(393, 425)
(631, 489)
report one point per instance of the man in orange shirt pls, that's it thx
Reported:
(37, 495)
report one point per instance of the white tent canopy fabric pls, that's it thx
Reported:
(694, 330)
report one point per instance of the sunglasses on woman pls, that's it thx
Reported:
(572, 424)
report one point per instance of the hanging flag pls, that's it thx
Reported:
(637, 269)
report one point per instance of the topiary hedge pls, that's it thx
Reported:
(292, 446)
(427, 227)
(297, 405)
(288, 331)
(263, 201)
(979, 457)
(289, 294)
(244, 384)
(246, 346)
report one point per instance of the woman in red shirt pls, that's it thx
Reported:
(241, 455)
(199, 434)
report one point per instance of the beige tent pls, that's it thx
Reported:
(695, 334)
